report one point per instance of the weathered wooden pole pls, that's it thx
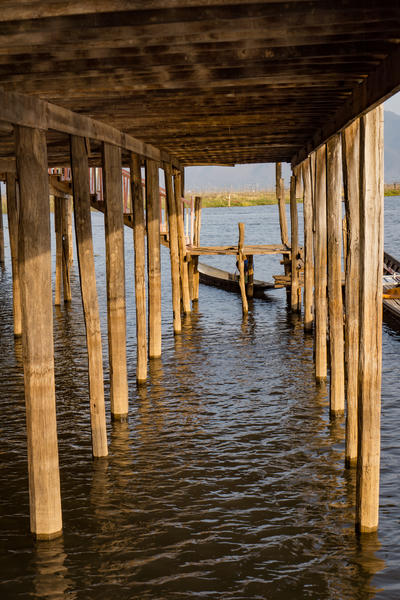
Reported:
(84, 245)
(182, 245)
(115, 272)
(240, 259)
(173, 248)
(139, 231)
(280, 195)
(66, 247)
(153, 258)
(37, 333)
(335, 301)
(59, 248)
(13, 218)
(196, 241)
(351, 171)
(250, 277)
(320, 260)
(370, 358)
(1, 232)
(308, 246)
(294, 230)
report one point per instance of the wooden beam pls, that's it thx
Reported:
(379, 86)
(153, 258)
(139, 228)
(308, 246)
(370, 359)
(13, 219)
(37, 326)
(84, 246)
(115, 270)
(173, 247)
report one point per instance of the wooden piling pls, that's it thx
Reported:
(153, 258)
(139, 229)
(320, 261)
(1, 233)
(173, 248)
(240, 259)
(66, 248)
(59, 248)
(13, 218)
(335, 302)
(115, 272)
(196, 242)
(250, 277)
(294, 230)
(351, 170)
(280, 194)
(37, 333)
(308, 246)
(84, 245)
(370, 357)
(182, 245)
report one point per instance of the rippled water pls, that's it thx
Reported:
(227, 481)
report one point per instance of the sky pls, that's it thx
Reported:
(393, 104)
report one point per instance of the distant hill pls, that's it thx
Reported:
(262, 176)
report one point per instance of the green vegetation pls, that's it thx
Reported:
(392, 189)
(216, 199)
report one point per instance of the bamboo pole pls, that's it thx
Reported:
(173, 248)
(308, 246)
(13, 218)
(335, 302)
(182, 245)
(294, 230)
(87, 275)
(37, 338)
(240, 259)
(320, 260)
(351, 169)
(59, 248)
(115, 272)
(370, 358)
(139, 228)
(153, 258)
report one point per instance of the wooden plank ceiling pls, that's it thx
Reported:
(208, 81)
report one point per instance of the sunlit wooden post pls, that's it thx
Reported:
(320, 260)
(294, 230)
(37, 333)
(335, 302)
(280, 195)
(173, 248)
(370, 358)
(87, 275)
(1, 233)
(153, 258)
(139, 234)
(240, 259)
(351, 171)
(195, 259)
(182, 244)
(115, 271)
(308, 246)
(13, 218)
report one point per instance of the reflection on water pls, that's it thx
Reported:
(227, 481)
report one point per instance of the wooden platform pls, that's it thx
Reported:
(233, 250)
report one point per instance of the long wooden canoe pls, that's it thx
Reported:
(229, 281)
(391, 279)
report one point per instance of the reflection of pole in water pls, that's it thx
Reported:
(50, 573)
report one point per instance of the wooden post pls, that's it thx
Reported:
(308, 246)
(115, 270)
(370, 358)
(320, 259)
(242, 282)
(1, 233)
(182, 245)
(59, 248)
(294, 230)
(351, 171)
(84, 245)
(173, 248)
(13, 218)
(139, 228)
(37, 333)
(153, 258)
(335, 302)
(195, 259)
(66, 248)
(280, 193)
(250, 277)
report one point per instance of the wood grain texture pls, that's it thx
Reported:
(240, 260)
(173, 248)
(153, 258)
(320, 266)
(59, 249)
(37, 339)
(295, 303)
(308, 246)
(13, 219)
(182, 244)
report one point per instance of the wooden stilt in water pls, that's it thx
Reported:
(196, 241)
(240, 259)
(335, 302)
(294, 228)
(59, 248)
(66, 248)
(370, 358)
(1, 232)
(182, 245)
(308, 246)
(280, 194)
(84, 245)
(173, 248)
(250, 277)
(351, 170)
(139, 228)
(320, 260)
(115, 268)
(13, 218)
(153, 258)
(37, 333)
